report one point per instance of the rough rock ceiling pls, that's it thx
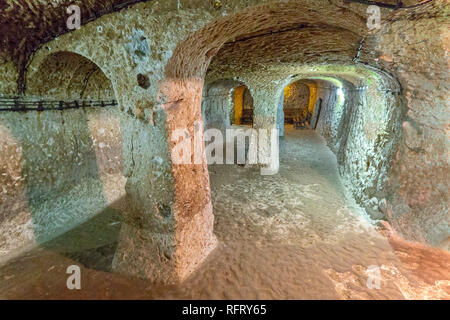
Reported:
(308, 45)
(26, 24)
(277, 54)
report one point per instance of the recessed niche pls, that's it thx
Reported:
(143, 81)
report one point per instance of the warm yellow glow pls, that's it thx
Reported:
(312, 97)
(238, 104)
(288, 91)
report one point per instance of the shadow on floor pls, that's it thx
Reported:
(92, 243)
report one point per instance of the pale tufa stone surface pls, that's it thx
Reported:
(170, 45)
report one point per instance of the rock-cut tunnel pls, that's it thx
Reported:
(350, 119)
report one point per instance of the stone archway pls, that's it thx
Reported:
(70, 145)
(186, 237)
(296, 104)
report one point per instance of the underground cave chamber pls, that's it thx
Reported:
(90, 123)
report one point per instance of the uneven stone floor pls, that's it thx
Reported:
(291, 236)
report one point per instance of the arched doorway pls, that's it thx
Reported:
(69, 133)
(243, 106)
(297, 107)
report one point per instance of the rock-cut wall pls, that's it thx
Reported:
(362, 127)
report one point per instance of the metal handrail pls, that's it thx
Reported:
(21, 104)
